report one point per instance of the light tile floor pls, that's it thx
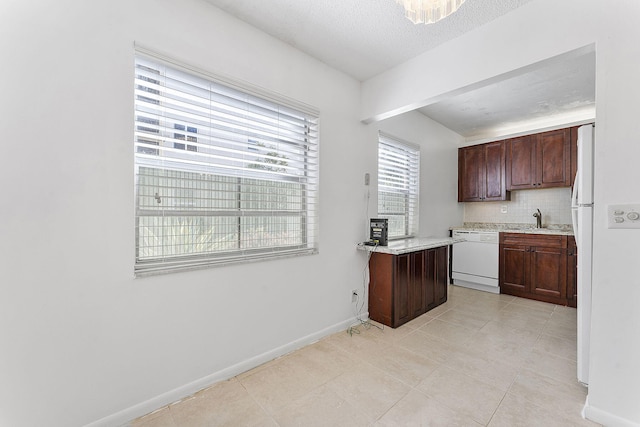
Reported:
(477, 360)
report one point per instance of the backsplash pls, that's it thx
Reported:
(554, 203)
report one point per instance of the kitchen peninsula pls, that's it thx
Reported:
(407, 278)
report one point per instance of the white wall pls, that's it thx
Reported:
(439, 207)
(615, 371)
(81, 339)
(539, 30)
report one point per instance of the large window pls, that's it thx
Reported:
(398, 189)
(221, 175)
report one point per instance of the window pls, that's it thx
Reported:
(221, 175)
(398, 189)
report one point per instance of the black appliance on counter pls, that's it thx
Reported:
(379, 231)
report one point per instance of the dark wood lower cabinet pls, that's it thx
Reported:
(549, 273)
(537, 266)
(514, 269)
(402, 287)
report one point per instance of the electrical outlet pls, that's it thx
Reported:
(367, 178)
(503, 209)
(354, 295)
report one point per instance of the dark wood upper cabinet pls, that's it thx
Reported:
(494, 172)
(470, 168)
(481, 173)
(521, 163)
(554, 157)
(539, 161)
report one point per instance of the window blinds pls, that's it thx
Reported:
(222, 175)
(398, 185)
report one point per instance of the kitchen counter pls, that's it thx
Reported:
(553, 229)
(407, 278)
(403, 246)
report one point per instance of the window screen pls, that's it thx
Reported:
(398, 185)
(221, 175)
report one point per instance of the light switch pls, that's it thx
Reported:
(623, 216)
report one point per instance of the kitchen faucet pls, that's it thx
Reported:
(538, 216)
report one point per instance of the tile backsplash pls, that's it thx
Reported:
(554, 203)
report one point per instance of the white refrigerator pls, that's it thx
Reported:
(582, 216)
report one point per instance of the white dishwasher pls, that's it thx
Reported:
(475, 260)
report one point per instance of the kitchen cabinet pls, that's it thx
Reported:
(535, 266)
(403, 287)
(539, 161)
(481, 173)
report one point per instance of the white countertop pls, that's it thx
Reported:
(403, 246)
(563, 230)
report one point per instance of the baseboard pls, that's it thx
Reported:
(477, 286)
(605, 418)
(122, 418)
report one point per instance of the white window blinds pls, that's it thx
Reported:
(221, 175)
(398, 185)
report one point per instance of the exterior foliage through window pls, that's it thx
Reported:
(398, 185)
(222, 175)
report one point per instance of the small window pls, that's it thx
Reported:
(398, 185)
(222, 175)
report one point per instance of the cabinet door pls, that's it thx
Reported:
(553, 159)
(514, 270)
(549, 273)
(494, 171)
(401, 290)
(418, 294)
(381, 276)
(430, 277)
(441, 257)
(470, 171)
(521, 163)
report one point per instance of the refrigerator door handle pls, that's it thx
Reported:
(574, 193)
(574, 220)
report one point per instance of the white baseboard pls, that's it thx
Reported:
(605, 418)
(122, 418)
(477, 286)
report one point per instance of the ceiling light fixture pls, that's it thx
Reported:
(429, 11)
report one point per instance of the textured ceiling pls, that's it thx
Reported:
(563, 88)
(360, 37)
(364, 38)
